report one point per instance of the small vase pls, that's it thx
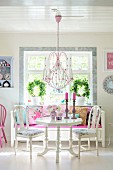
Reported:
(53, 115)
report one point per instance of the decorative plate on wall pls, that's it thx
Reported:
(7, 76)
(108, 84)
(1, 76)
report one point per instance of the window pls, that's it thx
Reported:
(33, 69)
(34, 65)
(26, 72)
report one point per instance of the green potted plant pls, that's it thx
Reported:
(81, 88)
(36, 89)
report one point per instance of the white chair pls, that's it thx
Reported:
(91, 131)
(23, 130)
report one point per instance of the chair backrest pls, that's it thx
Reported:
(94, 117)
(2, 115)
(18, 115)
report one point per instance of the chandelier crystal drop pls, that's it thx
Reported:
(57, 72)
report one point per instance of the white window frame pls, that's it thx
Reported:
(22, 51)
(70, 53)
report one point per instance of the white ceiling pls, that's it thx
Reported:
(31, 19)
(57, 2)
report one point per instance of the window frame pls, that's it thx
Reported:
(49, 49)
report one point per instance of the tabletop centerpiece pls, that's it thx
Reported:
(55, 111)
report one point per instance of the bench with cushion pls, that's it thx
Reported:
(41, 111)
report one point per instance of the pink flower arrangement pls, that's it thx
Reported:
(52, 108)
(55, 108)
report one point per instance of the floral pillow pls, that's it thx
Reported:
(34, 113)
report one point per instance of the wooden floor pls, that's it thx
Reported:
(88, 161)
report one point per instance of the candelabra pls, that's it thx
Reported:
(66, 110)
(73, 110)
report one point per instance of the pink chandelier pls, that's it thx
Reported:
(57, 71)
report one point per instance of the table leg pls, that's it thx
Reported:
(58, 145)
(70, 143)
(45, 143)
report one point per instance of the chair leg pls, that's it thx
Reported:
(89, 143)
(30, 139)
(16, 145)
(97, 146)
(0, 139)
(79, 144)
(4, 135)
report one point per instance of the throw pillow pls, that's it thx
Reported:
(23, 116)
(35, 113)
(83, 113)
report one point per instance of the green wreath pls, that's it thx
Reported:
(41, 91)
(78, 84)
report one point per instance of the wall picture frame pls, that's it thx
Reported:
(6, 71)
(108, 60)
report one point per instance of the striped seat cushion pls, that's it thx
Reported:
(30, 132)
(84, 131)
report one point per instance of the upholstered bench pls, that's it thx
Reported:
(83, 112)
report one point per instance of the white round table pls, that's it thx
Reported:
(58, 123)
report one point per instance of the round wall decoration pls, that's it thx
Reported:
(108, 84)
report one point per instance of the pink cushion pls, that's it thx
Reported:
(79, 126)
(42, 126)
